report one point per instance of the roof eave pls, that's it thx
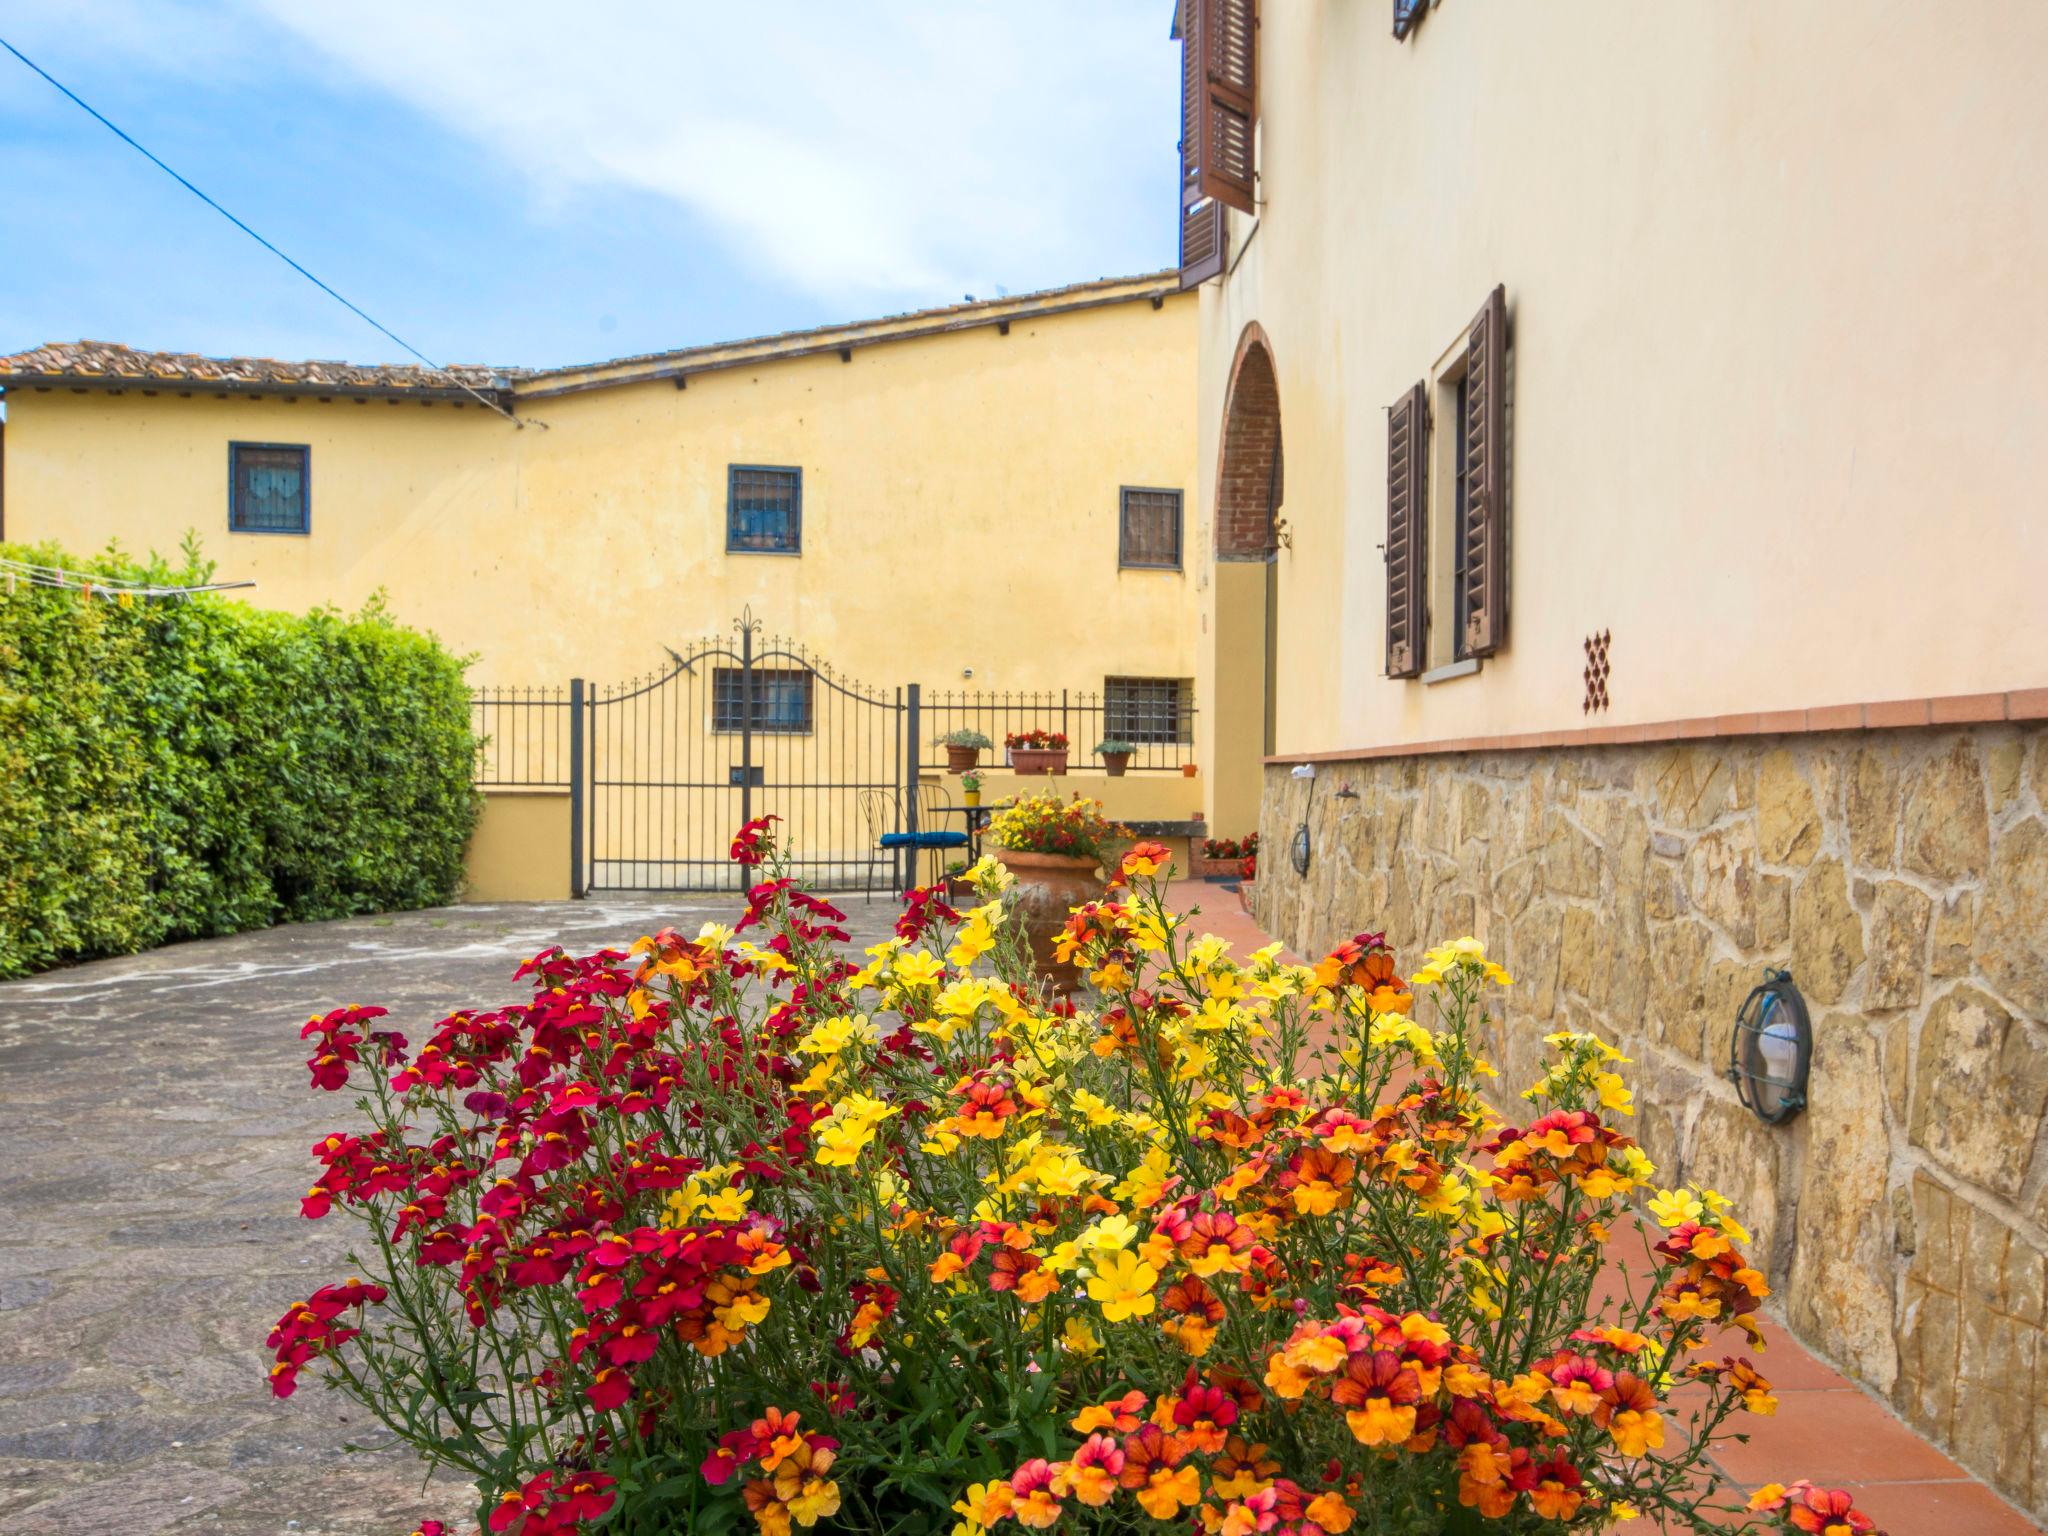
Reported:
(115, 383)
(680, 366)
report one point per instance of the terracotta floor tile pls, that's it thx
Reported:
(1935, 1509)
(1832, 1438)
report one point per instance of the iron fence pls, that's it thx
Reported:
(661, 769)
(522, 737)
(1156, 716)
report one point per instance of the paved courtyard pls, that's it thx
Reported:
(157, 1120)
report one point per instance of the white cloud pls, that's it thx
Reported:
(859, 151)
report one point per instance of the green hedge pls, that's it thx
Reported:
(186, 767)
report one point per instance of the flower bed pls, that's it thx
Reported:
(740, 1230)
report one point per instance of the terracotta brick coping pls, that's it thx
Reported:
(1952, 709)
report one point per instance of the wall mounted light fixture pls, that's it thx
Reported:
(1771, 1050)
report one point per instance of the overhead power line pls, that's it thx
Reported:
(353, 308)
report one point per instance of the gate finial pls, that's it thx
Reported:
(746, 621)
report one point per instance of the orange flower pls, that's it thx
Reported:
(1166, 1493)
(1123, 1414)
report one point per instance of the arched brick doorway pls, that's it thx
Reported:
(1249, 488)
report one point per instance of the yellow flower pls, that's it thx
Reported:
(1123, 1287)
(1675, 1207)
(1614, 1094)
(1078, 1339)
(1636, 1432)
(1096, 1111)
(1110, 1235)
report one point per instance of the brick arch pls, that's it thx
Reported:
(1249, 476)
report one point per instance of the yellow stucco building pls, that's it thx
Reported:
(986, 500)
(1628, 551)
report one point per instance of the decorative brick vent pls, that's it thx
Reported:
(1596, 672)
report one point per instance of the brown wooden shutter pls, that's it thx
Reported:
(1221, 39)
(1485, 534)
(1201, 242)
(1407, 532)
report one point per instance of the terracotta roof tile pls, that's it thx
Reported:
(107, 362)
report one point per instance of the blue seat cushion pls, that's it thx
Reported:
(924, 839)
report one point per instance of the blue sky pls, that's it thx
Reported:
(534, 182)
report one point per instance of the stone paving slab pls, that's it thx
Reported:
(156, 1122)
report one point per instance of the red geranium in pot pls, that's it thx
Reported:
(1036, 751)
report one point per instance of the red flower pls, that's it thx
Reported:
(753, 842)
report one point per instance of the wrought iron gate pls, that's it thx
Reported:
(665, 768)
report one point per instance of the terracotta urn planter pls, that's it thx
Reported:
(1026, 762)
(1048, 887)
(1115, 764)
(962, 759)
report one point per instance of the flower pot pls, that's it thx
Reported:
(1217, 869)
(962, 759)
(1029, 761)
(1048, 887)
(970, 796)
(1244, 897)
(1187, 770)
(1114, 763)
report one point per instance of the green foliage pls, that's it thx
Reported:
(189, 767)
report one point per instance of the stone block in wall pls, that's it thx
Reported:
(1827, 933)
(1788, 826)
(1899, 918)
(1732, 1151)
(1692, 787)
(1955, 932)
(1840, 1294)
(1970, 1337)
(1946, 832)
(1871, 806)
(1675, 1010)
(2010, 944)
(1981, 1090)
(1721, 880)
(1571, 859)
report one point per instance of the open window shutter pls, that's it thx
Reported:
(1485, 534)
(1201, 242)
(1222, 39)
(1407, 532)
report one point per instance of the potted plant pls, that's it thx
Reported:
(1116, 756)
(1055, 849)
(957, 883)
(963, 749)
(970, 788)
(1187, 770)
(1036, 751)
(1220, 858)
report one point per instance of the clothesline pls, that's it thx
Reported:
(113, 589)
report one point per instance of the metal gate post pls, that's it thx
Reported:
(746, 721)
(914, 724)
(576, 786)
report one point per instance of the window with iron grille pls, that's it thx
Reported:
(780, 700)
(1146, 710)
(764, 509)
(269, 488)
(1149, 529)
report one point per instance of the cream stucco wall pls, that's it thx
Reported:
(1773, 274)
(960, 500)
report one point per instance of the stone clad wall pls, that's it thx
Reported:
(1902, 878)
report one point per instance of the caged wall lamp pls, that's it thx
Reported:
(1771, 1049)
